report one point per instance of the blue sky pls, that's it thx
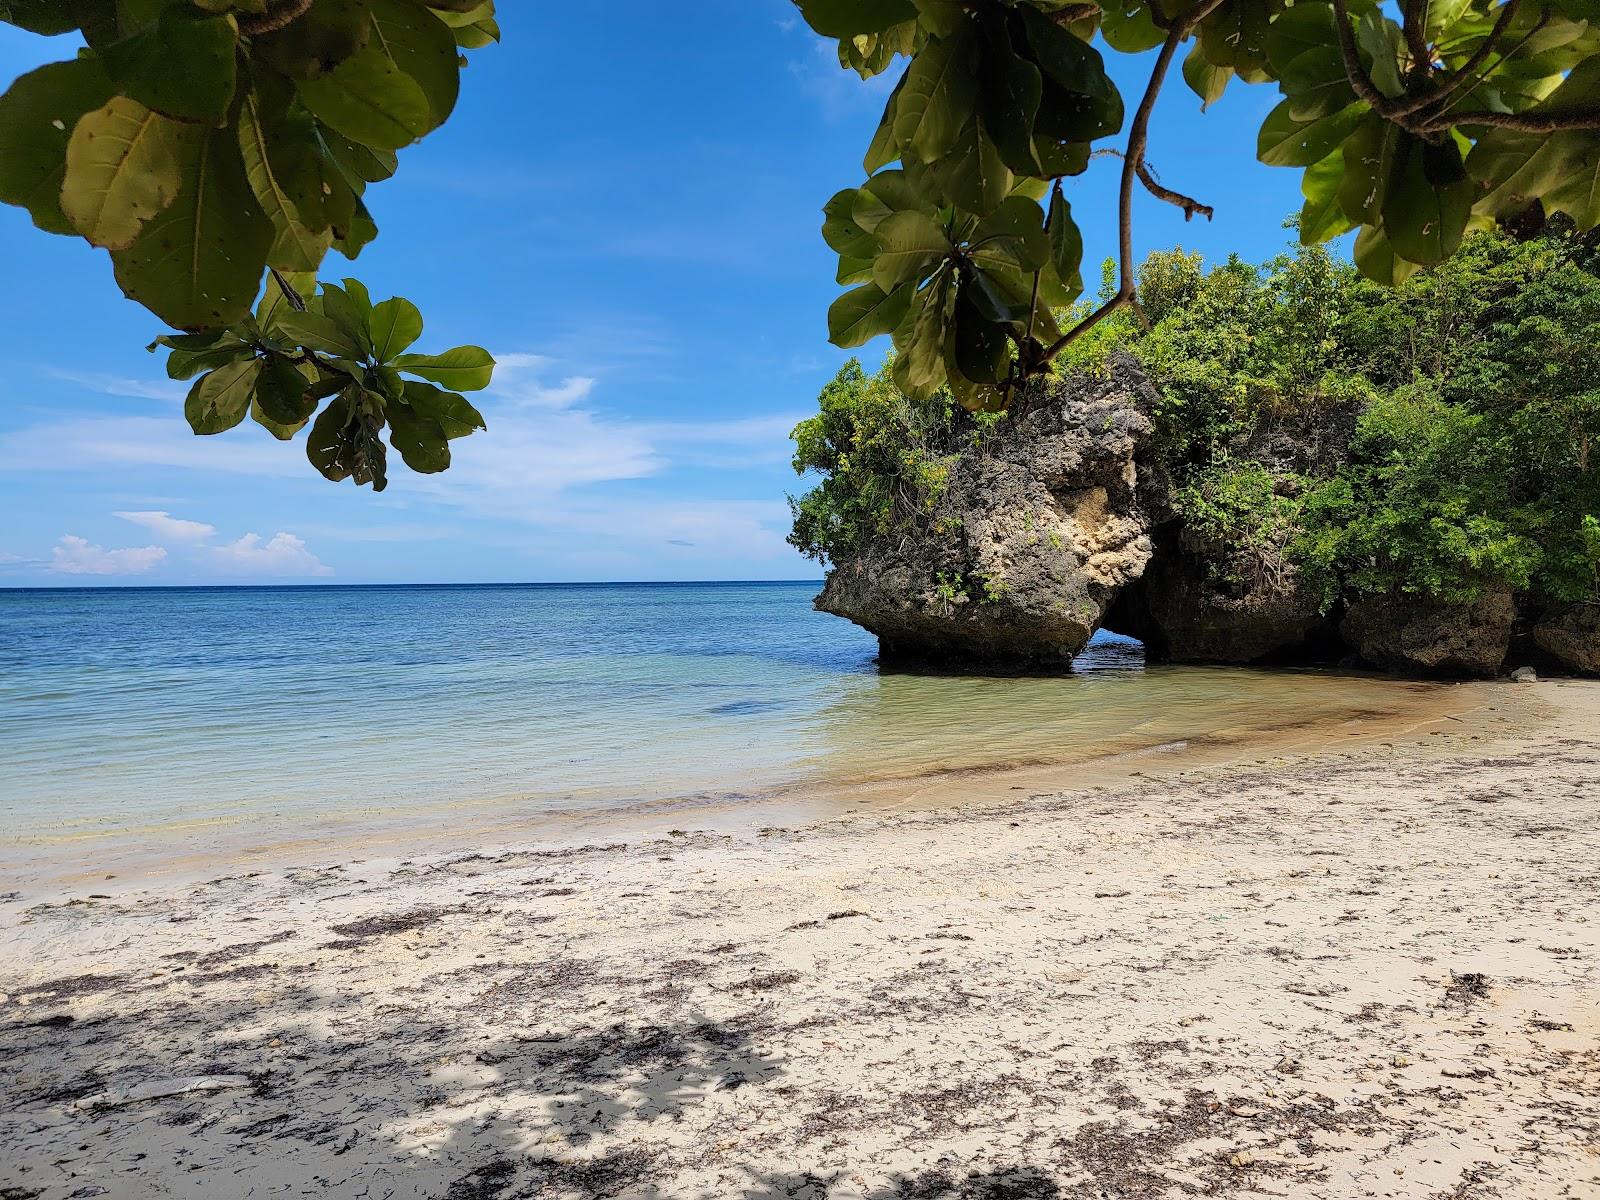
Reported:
(624, 209)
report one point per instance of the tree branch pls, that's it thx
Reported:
(1354, 71)
(1457, 78)
(1132, 166)
(271, 22)
(1524, 122)
(1189, 205)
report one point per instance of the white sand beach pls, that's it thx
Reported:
(1365, 971)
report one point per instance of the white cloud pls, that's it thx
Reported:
(93, 442)
(165, 525)
(154, 388)
(281, 555)
(76, 556)
(516, 380)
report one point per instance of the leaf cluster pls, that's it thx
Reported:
(204, 143)
(1439, 437)
(279, 364)
(1413, 124)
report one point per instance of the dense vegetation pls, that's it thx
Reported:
(1465, 405)
(214, 146)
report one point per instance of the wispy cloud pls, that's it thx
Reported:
(77, 556)
(282, 556)
(841, 93)
(165, 525)
(153, 388)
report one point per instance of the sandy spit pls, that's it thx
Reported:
(1363, 974)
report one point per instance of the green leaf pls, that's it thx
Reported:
(1368, 157)
(198, 264)
(1012, 237)
(919, 365)
(422, 46)
(850, 18)
(1235, 36)
(344, 442)
(1383, 44)
(317, 41)
(979, 349)
(1299, 29)
(395, 325)
(1127, 26)
(351, 308)
(839, 228)
(201, 89)
(1316, 84)
(1066, 244)
(419, 439)
(1285, 142)
(186, 364)
(1204, 80)
(46, 17)
(465, 368)
(1321, 218)
(861, 314)
(974, 177)
(474, 28)
(1378, 261)
(282, 392)
(318, 332)
(37, 117)
(451, 412)
(911, 243)
(296, 246)
(219, 401)
(1008, 99)
(370, 100)
(1426, 201)
(884, 149)
(936, 98)
(122, 169)
(885, 194)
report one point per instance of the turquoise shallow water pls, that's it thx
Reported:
(145, 710)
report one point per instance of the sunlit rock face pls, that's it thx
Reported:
(1417, 636)
(1027, 546)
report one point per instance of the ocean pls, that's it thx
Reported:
(148, 713)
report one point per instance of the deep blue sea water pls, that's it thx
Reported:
(155, 709)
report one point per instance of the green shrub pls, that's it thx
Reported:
(1474, 390)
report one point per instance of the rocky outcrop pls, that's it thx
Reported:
(1571, 635)
(1029, 542)
(1199, 603)
(1413, 634)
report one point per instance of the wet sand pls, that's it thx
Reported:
(1366, 966)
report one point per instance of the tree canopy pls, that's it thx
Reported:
(218, 149)
(1458, 414)
(961, 243)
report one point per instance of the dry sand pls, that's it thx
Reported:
(1363, 973)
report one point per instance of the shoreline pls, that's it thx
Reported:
(178, 852)
(1367, 971)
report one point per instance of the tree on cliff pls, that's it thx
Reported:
(212, 144)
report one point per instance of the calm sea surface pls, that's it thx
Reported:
(150, 710)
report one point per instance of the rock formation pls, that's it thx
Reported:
(1571, 635)
(1414, 635)
(1028, 544)
(1060, 524)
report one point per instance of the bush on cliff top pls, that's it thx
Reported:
(1473, 390)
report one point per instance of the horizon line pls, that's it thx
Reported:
(572, 583)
